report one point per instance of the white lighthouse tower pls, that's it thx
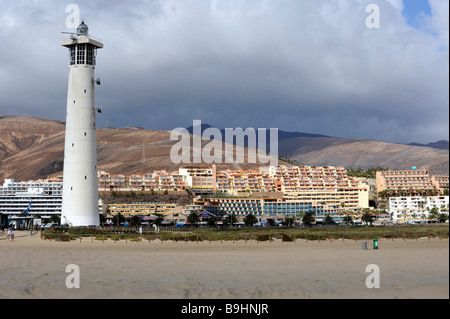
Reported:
(80, 185)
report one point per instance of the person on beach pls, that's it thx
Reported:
(10, 235)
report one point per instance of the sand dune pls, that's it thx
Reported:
(32, 268)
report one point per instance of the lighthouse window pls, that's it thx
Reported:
(89, 54)
(72, 55)
(80, 53)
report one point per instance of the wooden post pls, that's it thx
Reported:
(197, 238)
(80, 238)
(185, 238)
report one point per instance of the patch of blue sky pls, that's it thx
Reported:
(415, 11)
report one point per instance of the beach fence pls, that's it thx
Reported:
(124, 234)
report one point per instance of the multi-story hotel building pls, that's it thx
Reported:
(404, 180)
(321, 202)
(141, 209)
(199, 179)
(36, 198)
(41, 199)
(440, 182)
(158, 180)
(416, 208)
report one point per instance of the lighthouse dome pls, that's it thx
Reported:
(82, 29)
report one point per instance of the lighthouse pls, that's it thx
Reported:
(80, 184)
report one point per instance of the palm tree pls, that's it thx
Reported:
(288, 221)
(118, 219)
(442, 218)
(102, 219)
(135, 221)
(212, 221)
(308, 218)
(348, 219)
(328, 220)
(367, 217)
(250, 220)
(230, 220)
(193, 218)
(434, 213)
(270, 221)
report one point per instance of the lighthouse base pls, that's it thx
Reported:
(81, 221)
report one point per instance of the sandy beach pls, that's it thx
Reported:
(33, 268)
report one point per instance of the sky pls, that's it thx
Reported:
(306, 66)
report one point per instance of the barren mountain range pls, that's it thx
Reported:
(32, 148)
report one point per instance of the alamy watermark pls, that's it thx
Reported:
(373, 279)
(373, 19)
(233, 151)
(73, 279)
(73, 19)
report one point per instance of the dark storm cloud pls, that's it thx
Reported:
(308, 66)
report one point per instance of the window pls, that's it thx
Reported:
(72, 55)
(81, 53)
(89, 55)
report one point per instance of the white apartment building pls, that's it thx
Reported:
(199, 179)
(416, 208)
(38, 198)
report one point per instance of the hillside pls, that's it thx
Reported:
(32, 148)
(442, 144)
(356, 153)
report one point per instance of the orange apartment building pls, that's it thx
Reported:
(440, 181)
(159, 180)
(410, 180)
(208, 180)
